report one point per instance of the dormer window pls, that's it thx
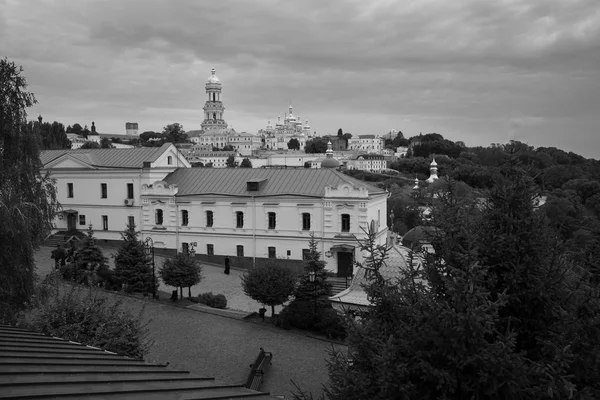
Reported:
(170, 160)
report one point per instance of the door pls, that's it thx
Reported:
(71, 221)
(345, 266)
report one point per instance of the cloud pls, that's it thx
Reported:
(467, 68)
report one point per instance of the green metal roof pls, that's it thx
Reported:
(280, 181)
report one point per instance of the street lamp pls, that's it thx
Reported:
(149, 247)
(312, 275)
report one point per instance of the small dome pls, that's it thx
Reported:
(433, 163)
(330, 163)
(213, 78)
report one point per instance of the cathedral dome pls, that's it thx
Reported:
(213, 78)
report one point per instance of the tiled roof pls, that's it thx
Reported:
(392, 269)
(33, 365)
(232, 181)
(112, 158)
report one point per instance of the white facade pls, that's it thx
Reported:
(367, 162)
(271, 226)
(92, 192)
(366, 143)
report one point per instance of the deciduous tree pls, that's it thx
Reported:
(27, 198)
(246, 163)
(181, 271)
(293, 144)
(230, 162)
(271, 285)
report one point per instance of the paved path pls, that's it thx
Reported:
(214, 280)
(223, 348)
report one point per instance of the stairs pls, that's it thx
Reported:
(338, 284)
(57, 238)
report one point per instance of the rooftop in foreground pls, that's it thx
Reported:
(33, 365)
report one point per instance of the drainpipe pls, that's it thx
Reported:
(176, 225)
(253, 232)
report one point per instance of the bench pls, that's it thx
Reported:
(258, 369)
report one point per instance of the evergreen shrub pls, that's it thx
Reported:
(213, 300)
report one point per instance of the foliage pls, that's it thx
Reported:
(88, 317)
(52, 134)
(293, 144)
(76, 129)
(132, 265)
(230, 162)
(105, 143)
(90, 145)
(271, 285)
(213, 300)
(246, 163)
(498, 311)
(316, 145)
(198, 164)
(174, 133)
(27, 198)
(181, 271)
(309, 297)
(89, 262)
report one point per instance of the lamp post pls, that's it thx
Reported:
(149, 247)
(312, 277)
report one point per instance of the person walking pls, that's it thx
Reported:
(227, 265)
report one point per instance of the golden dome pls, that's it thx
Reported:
(213, 78)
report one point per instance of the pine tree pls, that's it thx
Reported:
(320, 288)
(89, 261)
(132, 264)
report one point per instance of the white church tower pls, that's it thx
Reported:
(213, 108)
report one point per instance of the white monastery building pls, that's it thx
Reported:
(250, 215)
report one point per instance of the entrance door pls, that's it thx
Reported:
(71, 221)
(345, 266)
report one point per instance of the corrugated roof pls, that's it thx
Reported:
(232, 181)
(33, 365)
(112, 158)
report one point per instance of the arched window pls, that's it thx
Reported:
(345, 222)
(215, 116)
(158, 217)
(214, 97)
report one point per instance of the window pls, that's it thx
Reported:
(105, 222)
(289, 253)
(272, 252)
(305, 221)
(210, 249)
(130, 221)
(103, 190)
(158, 217)
(82, 220)
(345, 222)
(240, 251)
(239, 219)
(272, 220)
(169, 160)
(70, 190)
(184, 217)
(185, 248)
(209, 219)
(305, 254)
(130, 190)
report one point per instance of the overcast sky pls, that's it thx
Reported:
(480, 71)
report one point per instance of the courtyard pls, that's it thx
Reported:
(220, 346)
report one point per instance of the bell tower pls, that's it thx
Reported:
(213, 108)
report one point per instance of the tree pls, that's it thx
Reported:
(340, 133)
(27, 198)
(174, 133)
(105, 143)
(246, 163)
(197, 164)
(90, 145)
(270, 285)
(132, 264)
(293, 144)
(89, 263)
(181, 271)
(495, 312)
(316, 145)
(76, 129)
(208, 165)
(53, 135)
(230, 162)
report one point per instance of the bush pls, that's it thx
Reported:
(213, 300)
(331, 324)
(301, 314)
(84, 317)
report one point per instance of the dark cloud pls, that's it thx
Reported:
(477, 71)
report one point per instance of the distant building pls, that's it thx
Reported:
(213, 108)
(367, 162)
(131, 128)
(366, 143)
(277, 137)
